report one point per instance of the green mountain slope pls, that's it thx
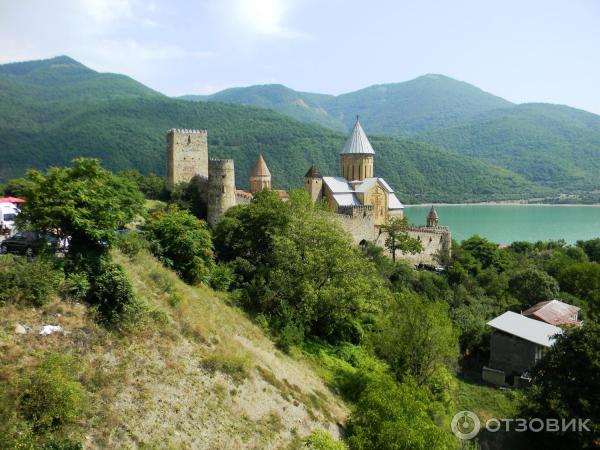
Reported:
(425, 103)
(550, 145)
(302, 106)
(553, 145)
(125, 127)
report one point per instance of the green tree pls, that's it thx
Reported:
(84, 202)
(591, 248)
(583, 281)
(296, 267)
(531, 286)
(182, 242)
(566, 385)
(394, 416)
(417, 337)
(398, 239)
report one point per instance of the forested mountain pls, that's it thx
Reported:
(55, 110)
(302, 106)
(552, 145)
(425, 103)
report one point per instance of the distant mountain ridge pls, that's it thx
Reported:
(427, 102)
(52, 111)
(551, 145)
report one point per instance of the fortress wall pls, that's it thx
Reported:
(187, 155)
(242, 199)
(434, 241)
(360, 227)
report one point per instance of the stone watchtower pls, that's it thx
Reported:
(433, 220)
(357, 155)
(313, 183)
(187, 155)
(260, 178)
(221, 189)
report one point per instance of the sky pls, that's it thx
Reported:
(524, 51)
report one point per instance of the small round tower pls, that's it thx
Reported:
(221, 189)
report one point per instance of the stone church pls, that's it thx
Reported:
(363, 202)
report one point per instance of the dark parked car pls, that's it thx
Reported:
(29, 243)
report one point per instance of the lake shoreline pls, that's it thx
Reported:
(507, 203)
(503, 222)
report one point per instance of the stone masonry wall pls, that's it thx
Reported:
(187, 155)
(434, 240)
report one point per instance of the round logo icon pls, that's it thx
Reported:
(465, 425)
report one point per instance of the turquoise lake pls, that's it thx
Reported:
(504, 224)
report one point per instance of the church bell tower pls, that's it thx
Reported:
(357, 155)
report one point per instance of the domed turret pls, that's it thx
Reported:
(433, 219)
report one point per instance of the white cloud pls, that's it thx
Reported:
(262, 17)
(107, 35)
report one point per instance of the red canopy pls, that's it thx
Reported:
(11, 200)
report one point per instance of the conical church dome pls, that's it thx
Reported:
(260, 169)
(357, 142)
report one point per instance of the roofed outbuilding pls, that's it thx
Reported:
(554, 312)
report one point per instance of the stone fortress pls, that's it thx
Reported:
(362, 201)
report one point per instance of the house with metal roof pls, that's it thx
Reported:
(516, 344)
(554, 312)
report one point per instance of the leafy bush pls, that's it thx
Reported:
(394, 416)
(182, 242)
(51, 396)
(112, 293)
(221, 277)
(27, 282)
(321, 440)
(76, 286)
(132, 243)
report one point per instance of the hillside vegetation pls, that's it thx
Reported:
(200, 376)
(553, 145)
(376, 353)
(55, 110)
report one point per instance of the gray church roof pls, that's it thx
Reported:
(531, 330)
(337, 185)
(357, 142)
(343, 193)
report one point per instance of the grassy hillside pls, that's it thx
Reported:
(52, 111)
(204, 376)
(553, 145)
(425, 103)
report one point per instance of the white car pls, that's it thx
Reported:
(8, 213)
